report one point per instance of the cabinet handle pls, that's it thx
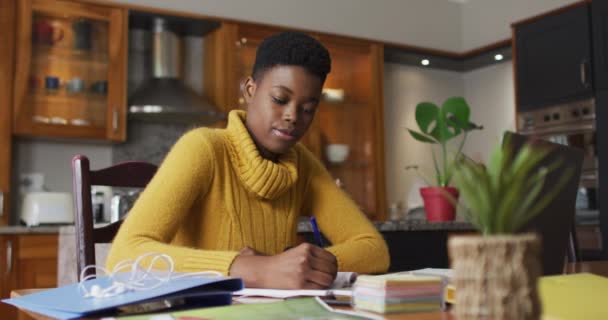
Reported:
(114, 120)
(1, 203)
(9, 256)
(584, 73)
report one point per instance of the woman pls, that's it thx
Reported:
(229, 199)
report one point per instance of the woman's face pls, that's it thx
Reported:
(280, 107)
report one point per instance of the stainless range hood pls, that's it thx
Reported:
(165, 98)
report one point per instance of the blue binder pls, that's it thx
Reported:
(67, 302)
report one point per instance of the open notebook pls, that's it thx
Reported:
(340, 287)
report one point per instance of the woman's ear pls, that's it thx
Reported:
(248, 88)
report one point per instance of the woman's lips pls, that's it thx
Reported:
(284, 134)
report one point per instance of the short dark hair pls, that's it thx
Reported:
(292, 48)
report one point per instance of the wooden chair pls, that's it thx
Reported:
(133, 174)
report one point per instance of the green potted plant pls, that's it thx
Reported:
(437, 126)
(495, 273)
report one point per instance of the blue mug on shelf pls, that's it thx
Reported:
(100, 87)
(51, 83)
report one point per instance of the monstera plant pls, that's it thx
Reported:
(438, 126)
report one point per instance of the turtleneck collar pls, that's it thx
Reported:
(263, 177)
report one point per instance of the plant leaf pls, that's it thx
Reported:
(420, 137)
(457, 111)
(452, 120)
(427, 113)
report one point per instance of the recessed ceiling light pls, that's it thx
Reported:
(498, 57)
(425, 62)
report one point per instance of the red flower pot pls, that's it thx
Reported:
(436, 203)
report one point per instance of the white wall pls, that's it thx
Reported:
(439, 24)
(54, 160)
(490, 93)
(488, 21)
(426, 23)
(404, 87)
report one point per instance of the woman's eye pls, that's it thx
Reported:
(309, 110)
(279, 100)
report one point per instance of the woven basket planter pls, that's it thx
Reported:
(495, 276)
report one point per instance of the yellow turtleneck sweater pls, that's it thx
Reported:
(214, 194)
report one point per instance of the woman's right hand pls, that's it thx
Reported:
(303, 267)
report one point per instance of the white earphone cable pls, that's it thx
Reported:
(129, 275)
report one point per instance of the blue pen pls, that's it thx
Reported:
(315, 229)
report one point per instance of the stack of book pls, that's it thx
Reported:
(393, 293)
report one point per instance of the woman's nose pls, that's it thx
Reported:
(290, 113)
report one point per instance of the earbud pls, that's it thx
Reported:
(95, 291)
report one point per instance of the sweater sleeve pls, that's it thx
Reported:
(356, 243)
(183, 177)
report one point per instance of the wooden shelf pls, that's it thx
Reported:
(62, 131)
(70, 54)
(62, 97)
(347, 165)
(343, 104)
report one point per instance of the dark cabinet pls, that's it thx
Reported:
(601, 101)
(553, 59)
(599, 17)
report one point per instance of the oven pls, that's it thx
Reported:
(570, 124)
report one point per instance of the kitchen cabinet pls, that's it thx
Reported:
(601, 134)
(8, 277)
(355, 119)
(7, 55)
(599, 18)
(350, 113)
(589, 240)
(70, 77)
(26, 261)
(553, 58)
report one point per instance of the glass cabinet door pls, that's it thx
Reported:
(70, 70)
(350, 113)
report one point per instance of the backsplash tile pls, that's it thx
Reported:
(148, 141)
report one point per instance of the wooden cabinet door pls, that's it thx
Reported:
(7, 46)
(37, 261)
(553, 59)
(8, 279)
(70, 78)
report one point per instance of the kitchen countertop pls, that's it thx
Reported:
(29, 230)
(303, 226)
(405, 225)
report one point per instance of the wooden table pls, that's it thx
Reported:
(595, 267)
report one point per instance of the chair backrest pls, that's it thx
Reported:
(133, 174)
(556, 222)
